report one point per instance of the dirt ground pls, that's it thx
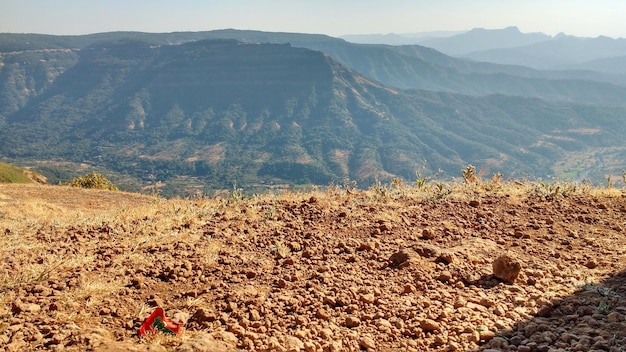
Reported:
(391, 268)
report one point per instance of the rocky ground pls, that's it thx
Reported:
(392, 268)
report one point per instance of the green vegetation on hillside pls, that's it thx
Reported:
(12, 174)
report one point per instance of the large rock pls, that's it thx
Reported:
(507, 268)
(403, 258)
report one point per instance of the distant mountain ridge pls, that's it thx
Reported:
(479, 39)
(212, 112)
(397, 39)
(562, 51)
(509, 46)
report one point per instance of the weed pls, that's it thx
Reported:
(552, 190)
(236, 195)
(420, 182)
(469, 174)
(380, 191)
(439, 192)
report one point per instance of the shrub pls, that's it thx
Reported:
(93, 180)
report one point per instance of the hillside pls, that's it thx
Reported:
(14, 174)
(391, 268)
(205, 114)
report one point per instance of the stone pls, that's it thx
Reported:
(402, 258)
(445, 276)
(486, 335)
(204, 315)
(429, 325)
(427, 251)
(506, 268)
(309, 346)
(591, 264)
(367, 298)
(293, 344)
(367, 342)
(352, 322)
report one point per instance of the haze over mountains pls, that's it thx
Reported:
(509, 46)
(206, 109)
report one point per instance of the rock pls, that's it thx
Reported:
(309, 346)
(446, 258)
(275, 345)
(323, 314)
(427, 234)
(367, 342)
(352, 322)
(507, 268)
(180, 317)
(530, 329)
(445, 276)
(486, 335)
(138, 282)
(293, 344)
(474, 203)
(429, 325)
(427, 250)
(591, 264)
(336, 346)
(367, 298)
(402, 258)
(204, 315)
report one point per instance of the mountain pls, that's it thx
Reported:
(397, 39)
(563, 51)
(417, 67)
(219, 111)
(613, 65)
(403, 67)
(479, 39)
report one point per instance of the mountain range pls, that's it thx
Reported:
(509, 46)
(206, 109)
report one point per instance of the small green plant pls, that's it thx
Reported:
(420, 181)
(93, 180)
(439, 192)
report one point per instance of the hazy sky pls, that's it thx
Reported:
(333, 17)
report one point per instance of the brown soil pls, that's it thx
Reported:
(385, 269)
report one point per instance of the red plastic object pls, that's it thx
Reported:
(157, 322)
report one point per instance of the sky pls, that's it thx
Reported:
(585, 18)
